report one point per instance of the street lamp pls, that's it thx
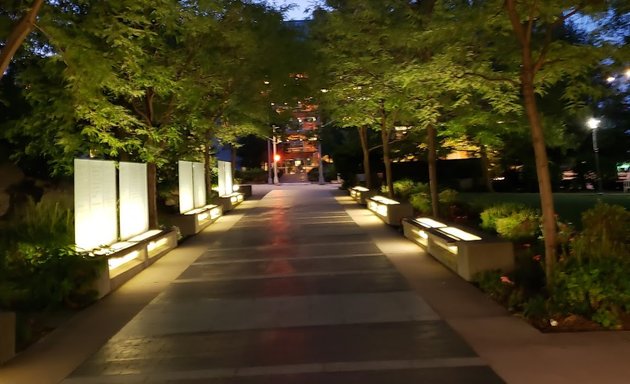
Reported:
(321, 163)
(275, 157)
(593, 124)
(269, 160)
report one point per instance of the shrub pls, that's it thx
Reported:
(496, 285)
(42, 223)
(404, 188)
(490, 215)
(251, 175)
(448, 196)
(421, 202)
(519, 226)
(598, 289)
(37, 277)
(592, 280)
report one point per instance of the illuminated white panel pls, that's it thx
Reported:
(95, 213)
(186, 199)
(360, 189)
(429, 223)
(226, 183)
(199, 184)
(382, 210)
(458, 234)
(384, 200)
(214, 213)
(134, 199)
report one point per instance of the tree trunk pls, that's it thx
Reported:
(206, 166)
(387, 162)
(485, 165)
(19, 32)
(233, 158)
(433, 187)
(152, 194)
(528, 73)
(542, 171)
(366, 156)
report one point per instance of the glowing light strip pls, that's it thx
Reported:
(429, 223)
(384, 200)
(381, 210)
(458, 234)
(450, 248)
(202, 216)
(214, 213)
(116, 262)
(360, 189)
(145, 235)
(153, 245)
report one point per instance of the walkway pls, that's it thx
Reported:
(294, 292)
(304, 286)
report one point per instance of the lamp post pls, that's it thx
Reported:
(321, 163)
(593, 124)
(269, 160)
(275, 158)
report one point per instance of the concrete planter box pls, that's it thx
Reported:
(229, 202)
(127, 258)
(465, 251)
(390, 211)
(7, 336)
(245, 189)
(193, 222)
(361, 194)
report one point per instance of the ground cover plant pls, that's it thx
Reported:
(590, 287)
(40, 270)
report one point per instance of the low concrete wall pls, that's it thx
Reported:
(465, 257)
(360, 195)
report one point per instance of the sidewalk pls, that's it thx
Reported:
(304, 286)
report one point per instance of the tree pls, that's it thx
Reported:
(520, 42)
(18, 33)
(357, 40)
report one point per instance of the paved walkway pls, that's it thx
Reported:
(304, 286)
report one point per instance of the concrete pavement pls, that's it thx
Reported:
(305, 286)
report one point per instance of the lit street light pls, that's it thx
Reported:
(593, 124)
(269, 160)
(275, 158)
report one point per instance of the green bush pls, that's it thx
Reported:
(43, 223)
(592, 280)
(490, 215)
(448, 196)
(405, 187)
(36, 277)
(495, 284)
(39, 267)
(519, 226)
(251, 175)
(598, 289)
(421, 202)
